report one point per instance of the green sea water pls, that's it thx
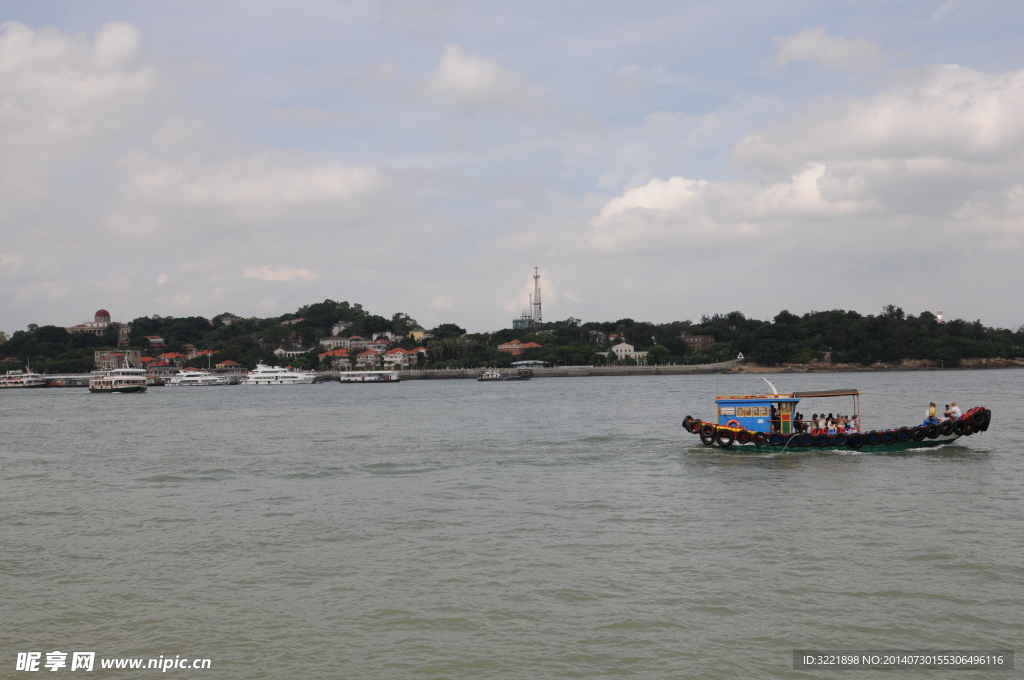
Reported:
(557, 528)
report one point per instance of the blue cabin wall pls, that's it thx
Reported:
(760, 419)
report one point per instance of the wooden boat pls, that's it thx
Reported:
(765, 423)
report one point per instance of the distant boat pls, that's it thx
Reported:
(197, 379)
(368, 377)
(274, 375)
(491, 375)
(22, 380)
(119, 380)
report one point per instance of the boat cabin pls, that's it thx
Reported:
(755, 412)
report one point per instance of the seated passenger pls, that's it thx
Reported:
(954, 411)
(930, 418)
(852, 426)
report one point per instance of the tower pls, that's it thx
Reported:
(940, 316)
(536, 297)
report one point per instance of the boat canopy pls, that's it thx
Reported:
(753, 412)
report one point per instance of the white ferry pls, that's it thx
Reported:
(197, 379)
(275, 375)
(368, 376)
(119, 380)
(22, 379)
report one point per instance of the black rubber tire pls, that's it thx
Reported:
(725, 437)
(988, 419)
(759, 438)
(743, 437)
(873, 437)
(776, 439)
(805, 439)
(903, 434)
(705, 439)
(688, 423)
(708, 429)
(970, 429)
(932, 431)
(855, 441)
(978, 418)
(917, 434)
(888, 437)
(959, 427)
(821, 441)
(946, 428)
(840, 439)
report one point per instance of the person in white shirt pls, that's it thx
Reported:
(954, 411)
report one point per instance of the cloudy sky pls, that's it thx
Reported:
(659, 160)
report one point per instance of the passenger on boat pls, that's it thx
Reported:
(852, 425)
(798, 422)
(776, 422)
(930, 418)
(954, 411)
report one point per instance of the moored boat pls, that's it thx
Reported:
(490, 375)
(193, 378)
(369, 377)
(767, 422)
(275, 375)
(22, 380)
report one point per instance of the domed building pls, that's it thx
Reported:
(98, 326)
(102, 316)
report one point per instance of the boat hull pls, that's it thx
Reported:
(866, 448)
(110, 390)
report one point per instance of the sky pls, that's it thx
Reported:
(656, 160)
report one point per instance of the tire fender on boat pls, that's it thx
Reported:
(725, 438)
(932, 431)
(903, 434)
(888, 437)
(873, 437)
(840, 439)
(959, 427)
(776, 439)
(979, 417)
(688, 423)
(917, 434)
(946, 428)
(856, 440)
(743, 436)
(821, 441)
(759, 438)
(805, 439)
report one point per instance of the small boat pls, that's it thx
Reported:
(197, 379)
(274, 375)
(491, 375)
(22, 380)
(119, 380)
(368, 377)
(761, 423)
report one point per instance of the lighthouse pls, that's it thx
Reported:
(940, 316)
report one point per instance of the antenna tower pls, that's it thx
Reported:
(536, 297)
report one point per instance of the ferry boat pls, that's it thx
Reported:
(275, 375)
(368, 377)
(494, 375)
(197, 379)
(119, 380)
(22, 380)
(762, 423)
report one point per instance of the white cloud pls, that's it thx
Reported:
(939, 148)
(475, 84)
(841, 54)
(280, 273)
(162, 279)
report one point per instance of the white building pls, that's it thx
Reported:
(339, 327)
(625, 351)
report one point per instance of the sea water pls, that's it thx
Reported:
(557, 528)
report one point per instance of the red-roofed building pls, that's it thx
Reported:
(400, 358)
(229, 366)
(146, 360)
(369, 359)
(173, 358)
(516, 348)
(339, 358)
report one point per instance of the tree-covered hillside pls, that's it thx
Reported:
(846, 336)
